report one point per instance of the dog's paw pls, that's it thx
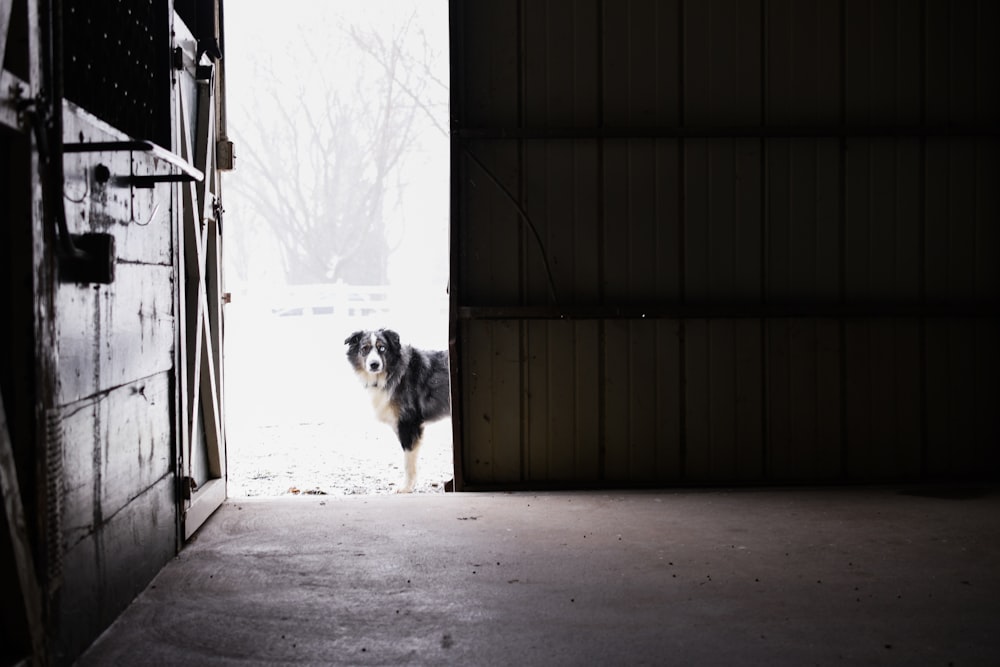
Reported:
(405, 489)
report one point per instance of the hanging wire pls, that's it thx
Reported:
(524, 217)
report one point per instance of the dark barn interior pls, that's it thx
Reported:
(725, 304)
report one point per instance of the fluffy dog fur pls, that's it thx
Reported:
(408, 388)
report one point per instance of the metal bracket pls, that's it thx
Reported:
(187, 171)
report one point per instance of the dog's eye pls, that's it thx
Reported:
(365, 349)
(381, 348)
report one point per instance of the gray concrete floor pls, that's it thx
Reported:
(768, 577)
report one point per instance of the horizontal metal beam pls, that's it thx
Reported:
(686, 311)
(729, 132)
(188, 171)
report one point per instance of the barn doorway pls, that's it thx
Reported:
(337, 220)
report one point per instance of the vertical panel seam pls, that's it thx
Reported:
(602, 395)
(522, 327)
(765, 402)
(922, 244)
(842, 234)
(682, 222)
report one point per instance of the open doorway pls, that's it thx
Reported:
(336, 221)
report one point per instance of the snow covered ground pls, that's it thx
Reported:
(298, 421)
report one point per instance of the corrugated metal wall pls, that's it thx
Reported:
(724, 241)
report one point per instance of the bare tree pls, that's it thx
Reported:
(321, 168)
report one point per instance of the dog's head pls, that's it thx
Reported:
(373, 352)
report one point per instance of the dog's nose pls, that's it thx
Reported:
(373, 366)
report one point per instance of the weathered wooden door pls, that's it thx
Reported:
(202, 428)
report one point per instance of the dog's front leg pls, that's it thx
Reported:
(410, 436)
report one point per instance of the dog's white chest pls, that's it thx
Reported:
(381, 401)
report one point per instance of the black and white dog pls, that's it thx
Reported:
(408, 388)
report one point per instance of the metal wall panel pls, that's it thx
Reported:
(726, 241)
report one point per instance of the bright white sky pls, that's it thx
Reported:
(256, 34)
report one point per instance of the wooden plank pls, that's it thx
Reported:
(193, 287)
(139, 218)
(211, 404)
(203, 502)
(114, 565)
(9, 116)
(214, 318)
(30, 598)
(113, 334)
(114, 459)
(5, 10)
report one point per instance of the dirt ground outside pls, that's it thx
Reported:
(298, 420)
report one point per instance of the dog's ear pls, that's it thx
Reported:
(392, 337)
(354, 338)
